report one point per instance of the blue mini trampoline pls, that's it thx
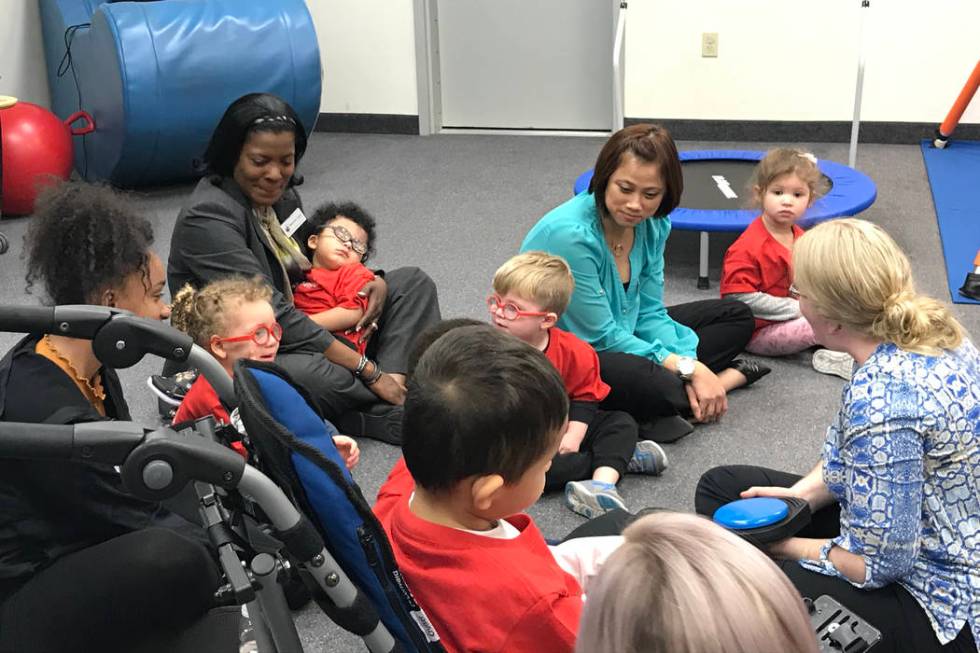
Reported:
(714, 188)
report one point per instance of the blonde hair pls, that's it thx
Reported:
(540, 277)
(203, 313)
(855, 274)
(784, 161)
(682, 584)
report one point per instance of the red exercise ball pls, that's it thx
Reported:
(36, 149)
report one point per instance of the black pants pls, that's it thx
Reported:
(903, 623)
(609, 442)
(647, 390)
(412, 305)
(125, 594)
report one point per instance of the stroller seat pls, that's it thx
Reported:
(293, 445)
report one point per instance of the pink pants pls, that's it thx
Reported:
(782, 338)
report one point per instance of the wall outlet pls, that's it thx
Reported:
(709, 44)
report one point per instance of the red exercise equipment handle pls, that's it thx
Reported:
(80, 131)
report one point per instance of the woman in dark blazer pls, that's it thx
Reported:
(239, 220)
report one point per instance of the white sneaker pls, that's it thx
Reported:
(838, 363)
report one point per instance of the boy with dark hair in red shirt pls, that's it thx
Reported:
(483, 416)
(330, 296)
(531, 291)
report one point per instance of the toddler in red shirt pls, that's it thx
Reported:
(531, 291)
(758, 267)
(232, 319)
(331, 295)
(483, 417)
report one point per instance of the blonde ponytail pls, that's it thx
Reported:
(202, 313)
(855, 274)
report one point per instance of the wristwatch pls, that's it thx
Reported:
(685, 367)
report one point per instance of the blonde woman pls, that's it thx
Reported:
(896, 494)
(681, 584)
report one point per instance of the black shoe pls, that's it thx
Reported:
(752, 370)
(172, 389)
(971, 287)
(379, 422)
(665, 430)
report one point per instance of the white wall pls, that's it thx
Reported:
(797, 59)
(779, 59)
(22, 72)
(368, 52)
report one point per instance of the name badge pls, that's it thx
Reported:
(293, 222)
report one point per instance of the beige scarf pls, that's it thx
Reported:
(294, 263)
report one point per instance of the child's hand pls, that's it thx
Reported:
(571, 441)
(347, 448)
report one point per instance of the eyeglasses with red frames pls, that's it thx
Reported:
(262, 335)
(510, 311)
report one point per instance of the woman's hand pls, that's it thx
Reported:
(348, 450)
(376, 292)
(706, 394)
(389, 389)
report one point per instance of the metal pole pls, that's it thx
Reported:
(856, 124)
(619, 109)
(703, 262)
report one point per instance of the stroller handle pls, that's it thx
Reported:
(119, 338)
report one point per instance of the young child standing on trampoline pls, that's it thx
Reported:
(233, 319)
(758, 267)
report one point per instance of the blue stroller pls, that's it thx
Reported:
(334, 540)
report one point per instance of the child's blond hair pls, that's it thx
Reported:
(682, 584)
(855, 274)
(783, 161)
(542, 278)
(202, 313)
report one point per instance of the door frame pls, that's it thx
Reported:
(429, 79)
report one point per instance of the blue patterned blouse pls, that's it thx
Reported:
(903, 460)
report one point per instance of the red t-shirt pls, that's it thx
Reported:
(200, 401)
(578, 365)
(757, 262)
(481, 593)
(325, 289)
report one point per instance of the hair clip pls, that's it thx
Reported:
(808, 156)
(280, 118)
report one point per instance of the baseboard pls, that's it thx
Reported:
(368, 123)
(823, 131)
(810, 131)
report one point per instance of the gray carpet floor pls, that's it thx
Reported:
(458, 206)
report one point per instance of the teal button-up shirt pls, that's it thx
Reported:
(601, 312)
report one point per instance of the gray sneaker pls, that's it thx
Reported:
(648, 458)
(838, 363)
(591, 498)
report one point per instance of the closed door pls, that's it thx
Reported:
(526, 64)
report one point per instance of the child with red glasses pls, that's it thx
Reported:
(331, 295)
(233, 319)
(531, 291)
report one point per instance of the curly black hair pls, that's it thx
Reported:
(84, 239)
(327, 212)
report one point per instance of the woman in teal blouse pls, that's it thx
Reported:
(659, 361)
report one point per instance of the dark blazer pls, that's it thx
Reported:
(217, 235)
(49, 508)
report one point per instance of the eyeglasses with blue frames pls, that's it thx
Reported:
(510, 311)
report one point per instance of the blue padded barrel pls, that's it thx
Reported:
(157, 76)
(751, 513)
